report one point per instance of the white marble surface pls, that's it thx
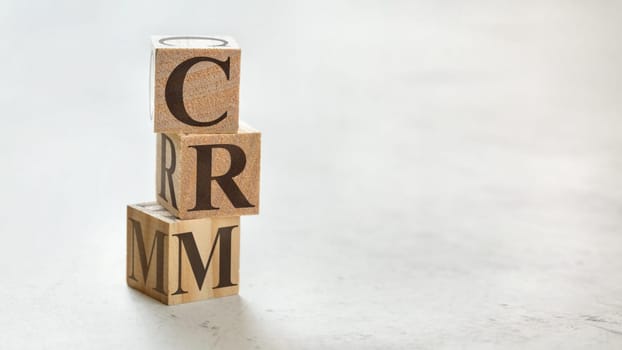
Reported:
(440, 175)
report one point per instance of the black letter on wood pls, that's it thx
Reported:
(174, 91)
(167, 173)
(194, 257)
(225, 181)
(145, 263)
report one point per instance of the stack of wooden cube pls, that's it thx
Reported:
(186, 247)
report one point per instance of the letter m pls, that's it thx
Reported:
(199, 268)
(157, 245)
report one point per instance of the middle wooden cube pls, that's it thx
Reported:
(203, 175)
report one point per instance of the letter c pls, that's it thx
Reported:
(174, 95)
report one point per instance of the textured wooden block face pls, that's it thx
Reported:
(195, 84)
(209, 174)
(178, 261)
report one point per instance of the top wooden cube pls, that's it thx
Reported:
(195, 84)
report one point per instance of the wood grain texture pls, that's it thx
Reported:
(188, 190)
(162, 276)
(206, 91)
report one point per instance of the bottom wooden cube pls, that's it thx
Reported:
(179, 261)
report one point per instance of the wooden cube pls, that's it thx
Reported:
(195, 84)
(200, 175)
(178, 261)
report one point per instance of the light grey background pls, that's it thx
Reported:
(441, 174)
